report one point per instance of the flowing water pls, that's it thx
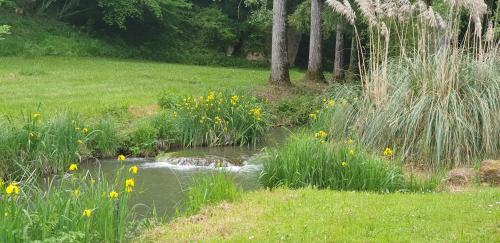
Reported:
(162, 182)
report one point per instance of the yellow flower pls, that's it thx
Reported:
(344, 164)
(313, 116)
(79, 141)
(210, 96)
(12, 189)
(85, 130)
(174, 114)
(134, 169)
(217, 120)
(349, 141)
(113, 195)
(330, 104)
(129, 189)
(87, 213)
(234, 100)
(73, 167)
(76, 192)
(388, 152)
(36, 116)
(351, 152)
(256, 112)
(321, 134)
(130, 182)
(121, 157)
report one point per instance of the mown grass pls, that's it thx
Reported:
(95, 85)
(317, 215)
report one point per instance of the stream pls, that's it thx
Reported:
(162, 182)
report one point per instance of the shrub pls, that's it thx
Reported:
(74, 207)
(220, 118)
(210, 190)
(309, 159)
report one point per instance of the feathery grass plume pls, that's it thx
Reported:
(343, 9)
(404, 10)
(367, 8)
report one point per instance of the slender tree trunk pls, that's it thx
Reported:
(338, 64)
(279, 55)
(294, 38)
(314, 72)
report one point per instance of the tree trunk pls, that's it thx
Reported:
(314, 72)
(279, 55)
(294, 38)
(338, 64)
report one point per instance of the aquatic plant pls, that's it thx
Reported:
(219, 118)
(210, 190)
(77, 206)
(310, 159)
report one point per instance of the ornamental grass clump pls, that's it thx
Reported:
(435, 94)
(311, 159)
(219, 118)
(75, 207)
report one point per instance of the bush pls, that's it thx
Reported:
(75, 207)
(210, 190)
(220, 118)
(309, 159)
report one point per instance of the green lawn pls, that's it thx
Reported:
(89, 85)
(310, 215)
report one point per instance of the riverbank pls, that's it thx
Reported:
(323, 215)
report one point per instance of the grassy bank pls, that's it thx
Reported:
(93, 85)
(312, 215)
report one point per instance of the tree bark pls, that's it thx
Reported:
(294, 38)
(314, 72)
(279, 55)
(338, 64)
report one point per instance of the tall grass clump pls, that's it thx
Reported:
(210, 190)
(437, 99)
(49, 145)
(309, 159)
(76, 207)
(219, 118)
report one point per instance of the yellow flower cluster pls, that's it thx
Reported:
(256, 112)
(129, 185)
(12, 189)
(134, 169)
(234, 100)
(113, 195)
(388, 152)
(87, 213)
(73, 167)
(321, 134)
(313, 116)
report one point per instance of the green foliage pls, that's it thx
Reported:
(50, 145)
(210, 190)
(105, 140)
(307, 159)
(54, 211)
(4, 30)
(215, 27)
(220, 118)
(294, 110)
(39, 37)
